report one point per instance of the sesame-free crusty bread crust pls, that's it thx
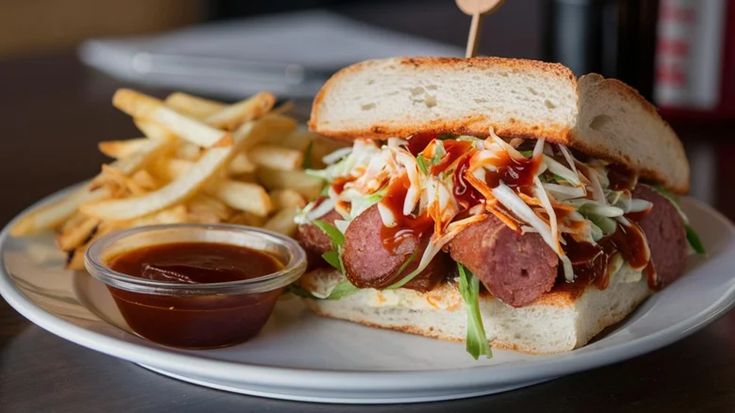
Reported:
(558, 321)
(600, 117)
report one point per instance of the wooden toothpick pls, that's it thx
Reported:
(477, 9)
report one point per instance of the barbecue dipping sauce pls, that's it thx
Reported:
(195, 321)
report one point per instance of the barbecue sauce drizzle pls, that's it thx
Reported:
(590, 261)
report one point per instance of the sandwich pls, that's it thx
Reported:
(500, 202)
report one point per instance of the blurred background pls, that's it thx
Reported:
(678, 53)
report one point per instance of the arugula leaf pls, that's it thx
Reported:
(694, 240)
(333, 258)
(335, 236)
(469, 288)
(307, 156)
(422, 164)
(445, 136)
(343, 289)
(527, 154)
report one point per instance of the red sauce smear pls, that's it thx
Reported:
(454, 150)
(406, 226)
(516, 173)
(418, 142)
(465, 194)
(620, 178)
(338, 185)
(591, 261)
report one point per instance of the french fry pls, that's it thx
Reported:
(75, 260)
(200, 161)
(153, 130)
(243, 111)
(282, 108)
(187, 150)
(247, 218)
(141, 157)
(283, 221)
(299, 181)
(77, 235)
(146, 107)
(276, 157)
(137, 184)
(72, 221)
(194, 106)
(144, 180)
(268, 127)
(51, 215)
(298, 140)
(241, 164)
(121, 148)
(203, 208)
(244, 196)
(171, 215)
(175, 191)
(287, 198)
(171, 169)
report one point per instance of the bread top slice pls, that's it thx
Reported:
(600, 117)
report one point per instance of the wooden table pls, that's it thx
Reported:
(52, 113)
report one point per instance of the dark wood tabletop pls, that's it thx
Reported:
(52, 113)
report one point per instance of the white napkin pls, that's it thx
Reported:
(289, 54)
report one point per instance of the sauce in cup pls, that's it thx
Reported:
(196, 286)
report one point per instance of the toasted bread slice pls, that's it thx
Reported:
(559, 321)
(600, 117)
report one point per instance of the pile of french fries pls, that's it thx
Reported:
(199, 161)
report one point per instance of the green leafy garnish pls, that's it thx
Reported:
(332, 258)
(422, 164)
(476, 341)
(343, 289)
(337, 239)
(335, 236)
(527, 154)
(445, 136)
(694, 240)
(307, 155)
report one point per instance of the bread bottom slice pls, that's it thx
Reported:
(558, 321)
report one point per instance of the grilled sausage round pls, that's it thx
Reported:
(368, 264)
(666, 235)
(515, 268)
(315, 241)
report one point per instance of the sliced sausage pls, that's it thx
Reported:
(368, 264)
(516, 268)
(315, 241)
(665, 233)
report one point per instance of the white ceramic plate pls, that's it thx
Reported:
(299, 356)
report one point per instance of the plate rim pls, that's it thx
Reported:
(362, 381)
